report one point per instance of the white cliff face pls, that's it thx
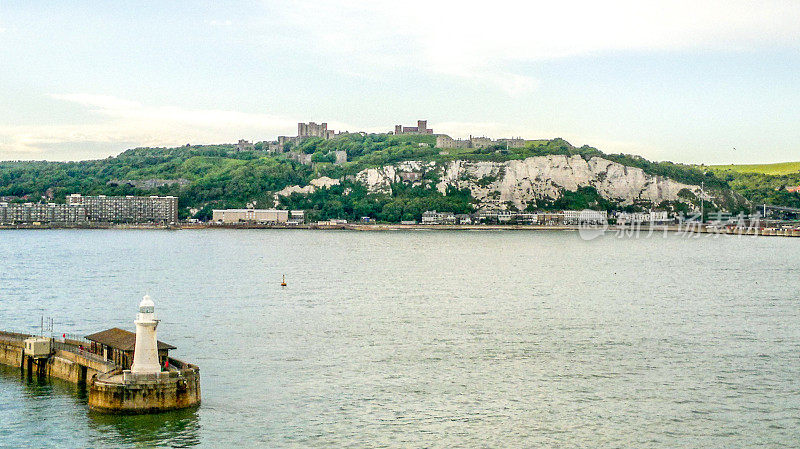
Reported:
(380, 179)
(520, 182)
(323, 181)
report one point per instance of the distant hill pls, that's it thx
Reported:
(539, 175)
(774, 184)
(781, 168)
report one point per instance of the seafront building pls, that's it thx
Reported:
(296, 217)
(430, 217)
(566, 217)
(128, 209)
(594, 217)
(652, 217)
(528, 218)
(17, 213)
(263, 216)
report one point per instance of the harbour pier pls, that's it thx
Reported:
(124, 372)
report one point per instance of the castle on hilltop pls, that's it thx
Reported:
(421, 128)
(289, 144)
(447, 142)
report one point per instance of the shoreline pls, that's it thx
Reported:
(689, 229)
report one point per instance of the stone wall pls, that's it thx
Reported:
(445, 141)
(74, 367)
(11, 353)
(146, 394)
(62, 364)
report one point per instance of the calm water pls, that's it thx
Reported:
(423, 339)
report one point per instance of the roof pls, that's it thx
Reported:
(251, 210)
(121, 339)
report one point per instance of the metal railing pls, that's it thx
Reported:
(14, 336)
(81, 352)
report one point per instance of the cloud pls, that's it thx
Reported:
(514, 85)
(101, 102)
(123, 123)
(484, 41)
(219, 23)
(459, 129)
(159, 116)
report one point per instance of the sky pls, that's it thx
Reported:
(710, 82)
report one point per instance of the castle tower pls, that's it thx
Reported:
(145, 352)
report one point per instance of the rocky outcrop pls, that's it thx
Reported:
(323, 181)
(522, 182)
(381, 179)
(148, 184)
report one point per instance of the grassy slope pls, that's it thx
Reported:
(782, 168)
(219, 175)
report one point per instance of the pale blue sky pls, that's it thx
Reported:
(686, 82)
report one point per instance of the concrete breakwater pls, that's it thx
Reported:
(110, 388)
(121, 392)
(66, 361)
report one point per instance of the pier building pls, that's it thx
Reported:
(117, 345)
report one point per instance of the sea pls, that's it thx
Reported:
(395, 339)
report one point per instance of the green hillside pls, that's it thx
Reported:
(781, 168)
(217, 176)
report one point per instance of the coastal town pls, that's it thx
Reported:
(161, 212)
(418, 224)
(490, 207)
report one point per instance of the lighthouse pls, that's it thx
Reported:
(145, 352)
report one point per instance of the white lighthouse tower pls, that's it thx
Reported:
(145, 353)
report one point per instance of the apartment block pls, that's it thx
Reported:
(128, 209)
(16, 213)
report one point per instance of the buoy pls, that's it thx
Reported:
(283, 282)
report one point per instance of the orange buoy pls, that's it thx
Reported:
(283, 282)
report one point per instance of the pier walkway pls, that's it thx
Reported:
(66, 359)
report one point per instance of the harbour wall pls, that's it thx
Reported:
(124, 392)
(11, 352)
(66, 365)
(111, 389)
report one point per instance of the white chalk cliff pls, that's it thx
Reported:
(520, 182)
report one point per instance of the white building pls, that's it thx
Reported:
(431, 217)
(652, 217)
(297, 217)
(586, 216)
(250, 216)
